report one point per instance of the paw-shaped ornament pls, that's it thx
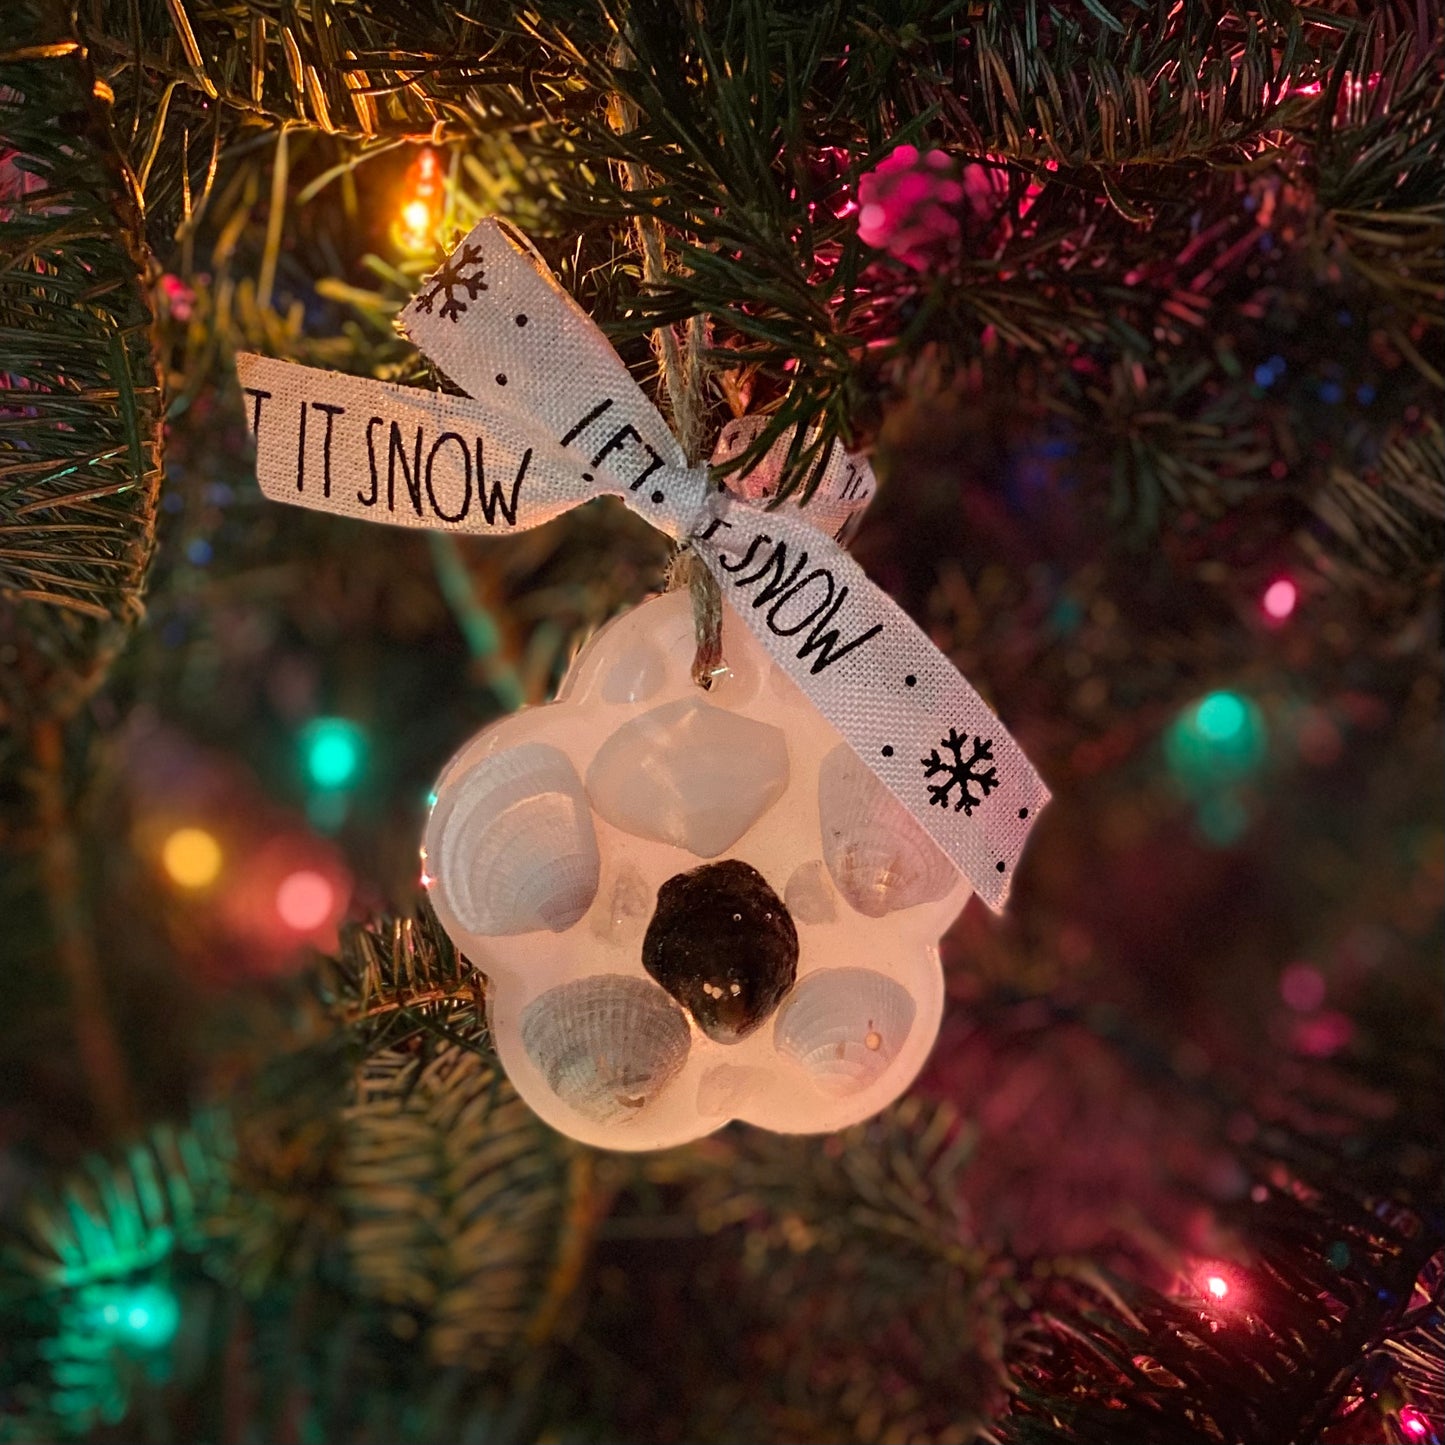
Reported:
(691, 906)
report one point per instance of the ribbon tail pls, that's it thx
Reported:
(355, 447)
(891, 694)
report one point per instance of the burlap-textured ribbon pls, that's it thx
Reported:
(553, 419)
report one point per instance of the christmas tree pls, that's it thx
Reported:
(1137, 311)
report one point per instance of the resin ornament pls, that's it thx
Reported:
(690, 906)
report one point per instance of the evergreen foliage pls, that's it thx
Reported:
(1191, 228)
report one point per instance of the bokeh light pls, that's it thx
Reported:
(305, 900)
(1219, 739)
(1413, 1423)
(145, 1316)
(1217, 1285)
(1280, 598)
(1220, 717)
(332, 749)
(191, 857)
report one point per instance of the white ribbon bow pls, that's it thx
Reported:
(554, 419)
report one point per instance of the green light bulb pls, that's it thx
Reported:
(143, 1316)
(1217, 741)
(332, 749)
(1221, 716)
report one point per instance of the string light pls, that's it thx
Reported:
(1219, 739)
(1220, 717)
(1220, 1287)
(1280, 598)
(332, 749)
(305, 900)
(421, 208)
(1413, 1423)
(192, 858)
(146, 1316)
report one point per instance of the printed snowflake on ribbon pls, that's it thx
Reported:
(961, 772)
(462, 270)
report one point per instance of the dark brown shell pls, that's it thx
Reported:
(723, 944)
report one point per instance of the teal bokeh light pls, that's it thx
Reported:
(1217, 741)
(143, 1316)
(1221, 716)
(333, 750)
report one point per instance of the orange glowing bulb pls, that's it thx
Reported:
(416, 217)
(192, 857)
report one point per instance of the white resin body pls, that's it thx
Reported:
(835, 1059)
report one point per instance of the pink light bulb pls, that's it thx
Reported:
(304, 900)
(1413, 1422)
(1280, 598)
(1217, 1285)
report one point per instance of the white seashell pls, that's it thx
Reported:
(629, 903)
(517, 851)
(807, 895)
(636, 675)
(725, 1087)
(695, 776)
(879, 856)
(845, 1026)
(606, 1045)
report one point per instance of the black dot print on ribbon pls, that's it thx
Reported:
(587, 476)
(887, 750)
(658, 497)
(910, 681)
(501, 378)
(521, 319)
(1002, 868)
(1023, 812)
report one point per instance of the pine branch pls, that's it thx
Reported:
(396, 977)
(80, 449)
(463, 1209)
(1389, 519)
(860, 1307)
(1345, 1240)
(93, 1265)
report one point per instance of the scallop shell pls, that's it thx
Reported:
(845, 1026)
(606, 1045)
(807, 894)
(878, 855)
(517, 851)
(689, 774)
